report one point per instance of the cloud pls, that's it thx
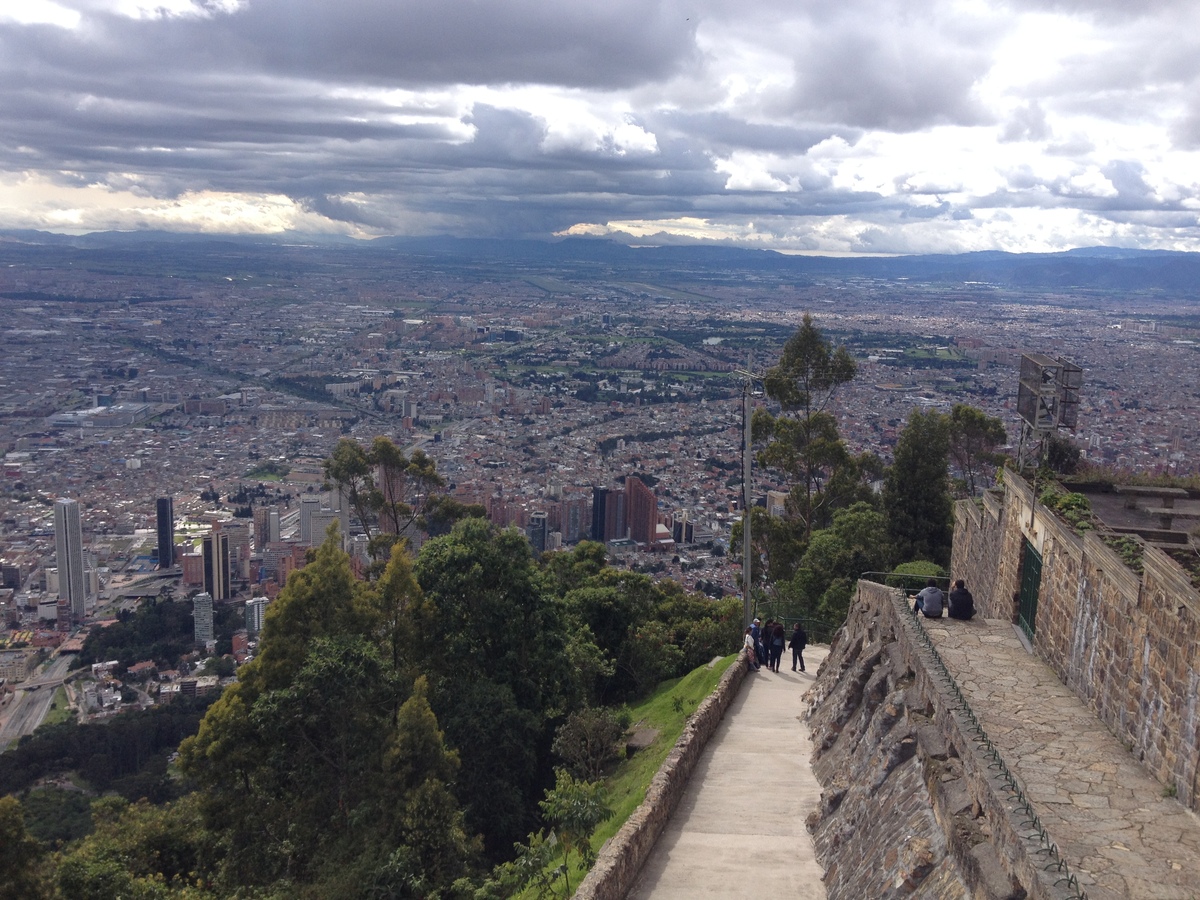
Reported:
(854, 126)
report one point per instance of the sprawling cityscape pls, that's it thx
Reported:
(203, 387)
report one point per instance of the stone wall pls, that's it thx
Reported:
(1127, 645)
(978, 532)
(621, 858)
(908, 809)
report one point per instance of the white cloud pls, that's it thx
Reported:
(39, 12)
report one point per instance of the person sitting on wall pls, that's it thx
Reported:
(961, 603)
(930, 601)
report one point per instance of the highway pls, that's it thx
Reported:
(29, 706)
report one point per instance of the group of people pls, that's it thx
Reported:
(765, 644)
(959, 604)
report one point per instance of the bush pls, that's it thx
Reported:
(588, 741)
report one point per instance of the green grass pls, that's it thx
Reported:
(666, 710)
(60, 709)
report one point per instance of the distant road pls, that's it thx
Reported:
(31, 702)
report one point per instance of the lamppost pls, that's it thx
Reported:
(747, 458)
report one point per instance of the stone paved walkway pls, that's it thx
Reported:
(739, 828)
(1114, 828)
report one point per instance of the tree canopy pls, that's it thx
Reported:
(916, 492)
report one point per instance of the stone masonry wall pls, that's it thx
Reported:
(621, 858)
(908, 808)
(978, 533)
(1127, 645)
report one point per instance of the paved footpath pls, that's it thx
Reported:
(1114, 828)
(739, 828)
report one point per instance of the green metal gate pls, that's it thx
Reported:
(1031, 581)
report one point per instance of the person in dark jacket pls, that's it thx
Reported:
(962, 604)
(798, 643)
(777, 639)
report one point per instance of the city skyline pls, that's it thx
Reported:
(1031, 125)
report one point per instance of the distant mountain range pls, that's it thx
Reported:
(1099, 269)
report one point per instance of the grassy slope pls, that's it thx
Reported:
(626, 786)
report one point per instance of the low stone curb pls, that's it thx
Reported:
(620, 860)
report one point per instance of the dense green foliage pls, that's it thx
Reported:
(393, 737)
(916, 493)
(127, 754)
(161, 630)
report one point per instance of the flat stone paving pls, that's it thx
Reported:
(739, 829)
(1114, 828)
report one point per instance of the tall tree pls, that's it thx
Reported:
(974, 437)
(492, 641)
(19, 855)
(387, 489)
(803, 440)
(916, 491)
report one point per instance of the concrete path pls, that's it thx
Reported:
(739, 829)
(1114, 828)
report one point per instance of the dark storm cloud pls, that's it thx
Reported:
(419, 42)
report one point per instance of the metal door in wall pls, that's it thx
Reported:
(1031, 581)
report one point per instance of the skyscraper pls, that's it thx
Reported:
(536, 532)
(202, 613)
(642, 507)
(216, 566)
(599, 509)
(308, 506)
(166, 532)
(68, 545)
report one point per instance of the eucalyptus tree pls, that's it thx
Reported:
(802, 440)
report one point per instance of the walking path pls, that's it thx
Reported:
(1114, 828)
(739, 828)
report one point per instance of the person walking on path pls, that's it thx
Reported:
(798, 643)
(776, 649)
(960, 601)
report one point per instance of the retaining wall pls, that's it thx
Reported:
(910, 809)
(621, 858)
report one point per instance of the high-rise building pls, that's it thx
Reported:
(264, 517)
(319, 523)
(202, 613)
(573, 518)
(599, 511)
(642, 511)
(215, 550)
(616, 521)
(165, 508)
(308, 505)
(68, 545)
(536, 531)
(238, 532)
(256, 609)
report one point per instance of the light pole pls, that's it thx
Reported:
(747, 459)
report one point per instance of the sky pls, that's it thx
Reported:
(818, 126)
